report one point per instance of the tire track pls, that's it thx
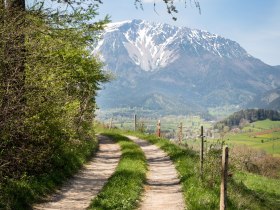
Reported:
(84, 186)
(162, 189)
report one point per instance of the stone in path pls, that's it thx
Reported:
(79, 191)
(163, 189)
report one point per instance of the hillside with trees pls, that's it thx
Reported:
(248, 115)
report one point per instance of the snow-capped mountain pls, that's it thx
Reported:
(158, 64)
(153, 46)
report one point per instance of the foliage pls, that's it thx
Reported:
(49, 104)
(254, 161)
(123, 189)
(21, 193)
(170, 6)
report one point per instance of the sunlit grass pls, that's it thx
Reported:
(259, 135)
(202, 194)
(123, 189)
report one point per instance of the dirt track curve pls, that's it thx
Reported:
(163, 189)
(78, 192)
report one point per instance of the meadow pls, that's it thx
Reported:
(263, 135)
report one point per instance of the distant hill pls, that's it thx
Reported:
(267, 100)
(249, 115)
(172, 69)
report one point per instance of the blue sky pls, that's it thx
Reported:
(254, 24)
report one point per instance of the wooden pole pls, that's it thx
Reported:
(223, 193)
(158, 128)
(135, 122)
(180, 133)
(201, 152)
(111, 124)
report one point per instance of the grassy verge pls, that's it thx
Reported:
(266, 188)
(205, 194)
(123, 189)
(20, 194)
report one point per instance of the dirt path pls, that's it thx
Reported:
(162, 190)
(79, 191)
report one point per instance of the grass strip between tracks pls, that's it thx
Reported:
(123, 189)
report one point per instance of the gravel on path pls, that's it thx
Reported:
(162, 189)
(84, 186)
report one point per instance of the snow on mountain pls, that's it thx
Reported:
(158, 64)
(152, 46)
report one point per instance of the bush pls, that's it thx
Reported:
(47, 105)
(255, 161)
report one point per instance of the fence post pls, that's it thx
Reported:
(180, 133)
(201, 152)
(111, 124)
(135, 122)
(158, 128)
(223, 193)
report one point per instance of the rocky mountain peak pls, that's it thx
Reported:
(178, 69)
(153, 46)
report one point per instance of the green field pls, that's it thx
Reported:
(265, 187)
(264, 135)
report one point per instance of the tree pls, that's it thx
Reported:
(48, 83)
(170, 6)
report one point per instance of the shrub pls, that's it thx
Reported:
(255, 161)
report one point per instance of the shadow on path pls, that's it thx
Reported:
(162, 189)
(78, 191)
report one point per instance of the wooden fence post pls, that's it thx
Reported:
(111, 124)
(201, 152)
(223, 193)
(135, 122)
(158, 128)
(180, 133)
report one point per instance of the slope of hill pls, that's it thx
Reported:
(267, 100)
(189, 67)
(249, 115)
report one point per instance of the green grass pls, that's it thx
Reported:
(260, 183)
(124, 187)
(266, 124)
(269, 142)
(21, 194)
(186, 162)
(266, 188)
(205, 194)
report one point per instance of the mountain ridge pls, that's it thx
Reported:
(153, 40)
(191, 66)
